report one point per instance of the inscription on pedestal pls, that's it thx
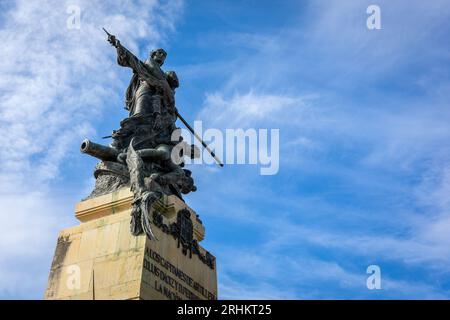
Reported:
(171, 281)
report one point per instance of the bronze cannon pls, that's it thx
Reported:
(99, 151)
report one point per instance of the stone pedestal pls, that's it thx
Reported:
(100, 259)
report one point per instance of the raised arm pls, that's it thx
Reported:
(126, 58)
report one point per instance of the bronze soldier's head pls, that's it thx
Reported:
(158, 55)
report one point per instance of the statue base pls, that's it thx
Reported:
(101, 260)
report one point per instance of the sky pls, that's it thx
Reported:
(364, 174)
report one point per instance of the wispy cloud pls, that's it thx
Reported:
(55, 83)
(363, 121)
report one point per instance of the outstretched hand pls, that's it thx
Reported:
(112, 39)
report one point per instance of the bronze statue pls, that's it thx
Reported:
(142, 152)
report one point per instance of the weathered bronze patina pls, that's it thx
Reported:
(144, 149)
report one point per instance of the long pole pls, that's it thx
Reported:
(200, 139)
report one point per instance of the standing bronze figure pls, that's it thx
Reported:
(147, 150)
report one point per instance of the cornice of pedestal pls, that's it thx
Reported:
(120, 201)
(104, 205)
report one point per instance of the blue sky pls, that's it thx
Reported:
(363, 116)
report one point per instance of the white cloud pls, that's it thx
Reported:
(55, 83)
(379, 117)
(251, 109)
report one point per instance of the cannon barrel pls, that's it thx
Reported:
(99, 151)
